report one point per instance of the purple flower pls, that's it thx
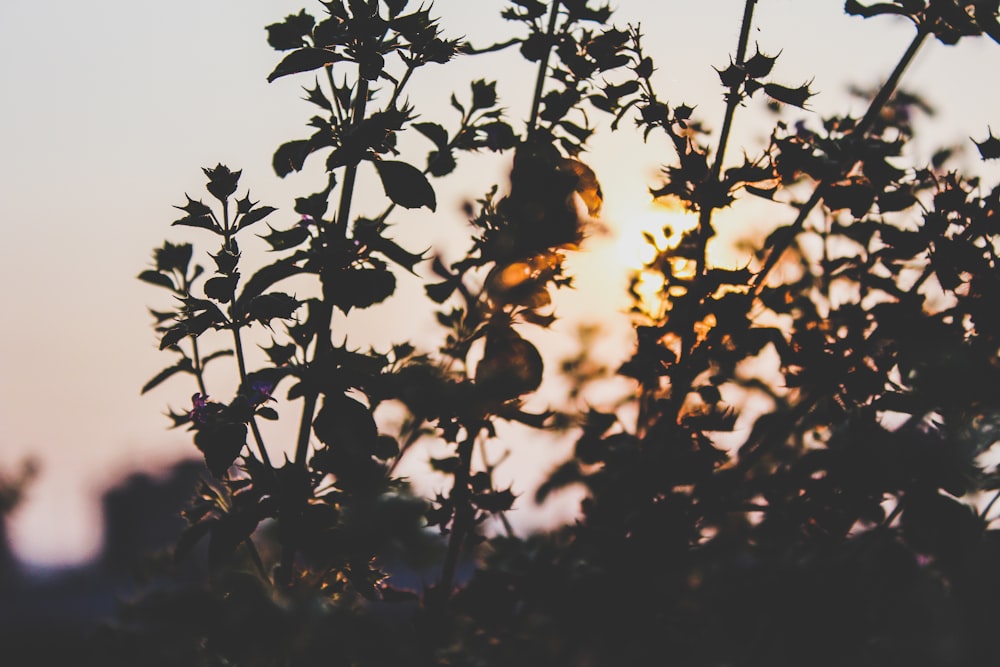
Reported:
(198, 413)
(260, 392)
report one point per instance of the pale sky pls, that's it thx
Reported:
(111, 108)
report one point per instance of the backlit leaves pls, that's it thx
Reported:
(405, 185)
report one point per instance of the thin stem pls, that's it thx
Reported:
(464, 514)
(351, 172)
(238, 341)
(543, 67)
(471, 50)
(337, 109)
(198, 371)
(399, 86)
(305, 428)
(733, 100)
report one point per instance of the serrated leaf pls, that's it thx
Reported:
(274, 305)
(989, 148)
(290, 33)
(405, 185)
(267, 276)
(280, 354)
(289, 238)
(317, 97)
(795, 96)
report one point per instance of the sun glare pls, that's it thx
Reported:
(639, 236)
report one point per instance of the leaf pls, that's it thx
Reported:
(289, 238)
(304, 60)
(267, 413)
(494, 502)
(173, 257)
(405, 185)
(291, 156)
(510, 366)
(183, 366)
(434, 132)
(216, 355)
(158, 279)
(290, 33)
(484, 95)
(362, 288)
(204, 222)
(256, 215)
(275, 305)
(440, 163)
(280, 354)
(221, 288)
(989, 148)
(794, 96)
(221, 443)
(267, 276)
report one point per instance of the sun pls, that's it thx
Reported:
(639, 235)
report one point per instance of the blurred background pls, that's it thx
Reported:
(111, 108)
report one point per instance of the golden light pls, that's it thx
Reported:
(640, 236)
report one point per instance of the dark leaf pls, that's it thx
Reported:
(362, 288)
(280, 354)
(989, 148)
(498, 501)
(222, 181)
(440, 163)
(291, 156)
(290, 33)
(484, 95)
(267, 276)
(405, 185)
(286, 239)
(221, 288)
(304, 60)
(317, 97)
(157, 278)
(221, 443)
(267, 413)
(434, 132)
(794, 96)
(274, 305)
(183, 366)
(174, 257)
(256, 215)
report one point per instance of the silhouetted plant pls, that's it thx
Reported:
(837, 525)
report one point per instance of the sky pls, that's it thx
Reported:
(111, 108)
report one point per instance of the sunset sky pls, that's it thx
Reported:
(110, 109)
